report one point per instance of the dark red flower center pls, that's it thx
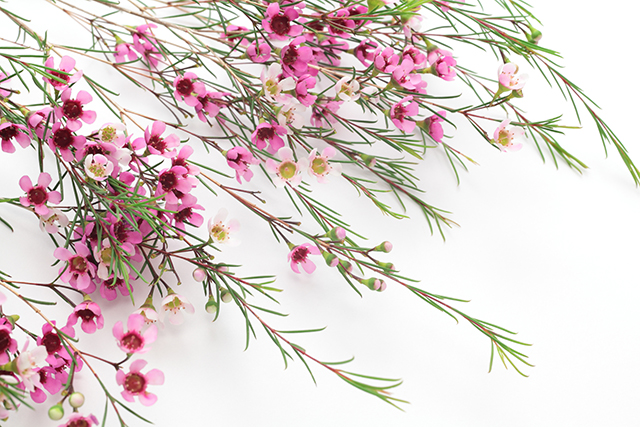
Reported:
(135, 383)
(280, 25)
(5, 341)
(183, 215)
(80, 422)
(78, 264)
(112, 284)
(8, 133)
(37, 195)
(316, 25)
(157, 143)
(120, 231)
(399, 111)
(52, 342)
(132, 341)
(300, 254)
(63, 138)
(94, 149)
(184, 87)
(85, 314)
(266, 133)
(290, 56)
(72, 109)
(60, 76)
(168, 180)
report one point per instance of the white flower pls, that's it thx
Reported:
(172, 306)
(53, 221)
(28, 364)
(318, 164)
(221, 232)
(287, 170)
(347, 91)
(97, 167)
(273, 86)
(291, 114)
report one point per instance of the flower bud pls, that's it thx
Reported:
(56, 412)
(330, 259)
(383, 247)
(386, 265)
(76, 400)
(368, 160)
(346, 265)
(337, 234)
(199, 274)
(371, 283)
(225, 296)
(211, 306)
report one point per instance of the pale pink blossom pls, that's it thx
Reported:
(504, 137)
(509, 79)
(300, 255)
(134, 340)
(135, 383)
(97, 167)
(287, 171)
(4, 85)
(53, 221)
(28, 365)
(173, 305)
(291, 114)
(347, 90)
(221, 232)
(273, 84)
(318, 165)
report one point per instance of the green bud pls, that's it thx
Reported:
(226, 296)
(211, 306)
(76, 400)
(56, 412)
(330, 259)
(383, 247)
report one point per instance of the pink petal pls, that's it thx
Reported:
(118, 331)
(158, 128)
(23, 139)
(155, 377)
(67, 64)
(88, 327)
(89, 116)
(308, 266)
(148, 399)
(44, 179)
(54, 197)
(138, 365)
(84, 97)
(25, 184)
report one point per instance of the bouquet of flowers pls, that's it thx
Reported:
(236, 105)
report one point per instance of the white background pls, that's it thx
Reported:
(545, 252)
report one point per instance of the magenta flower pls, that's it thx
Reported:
(239, 159)
(110, 286)
(504, 137)
(134, 341)
(79, 269)
(303, 85)
(235, 32)
(9, 131)
(433, 125)
(399, 112)
(210, 104)
(185, 212)
(287, 171)
(418, 58)
(442, 64)
(144, 43)
(259, 51)
(174, 179)
(66, 66)
(155, 143)
(62, 139)
(4, 81)
(300, 255)
(125, 51)
(7, 344)
(49, 381)
(51, 341)
(386, 60)
(339, 24)
(37, 195)
(135, 383)
(324, 114)
(172, 306)
(269, 132)
(508, 79)
(279, 23)
(73, 109)
(295, 59)
(188, 88)
(78, 420)
(366, 51)
(90, 314)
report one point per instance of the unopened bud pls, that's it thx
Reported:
(330, 259)
(76, 399)
(337, 234)
(199, 274)
(225, 296)
(383, 247)
(211, 306)
(371, 283)
(386, 265)
(346, 265)
(368, 160)
(56, 412)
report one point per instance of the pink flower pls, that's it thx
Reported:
(508, 79)
(155, 143)
(399, 112)
(347, 91)
(110, 286)
(287, 171)
(185, 213)
(53, 221)
(504, 137)
(417, 57)
(222, 233)
(149, 314)
(188, 88)
(37, 195)
(144, 43)
(210, 104)
(39, 119)
(406, 78)
(278, 23)
(239, 159)
(79, 270)
(4, 82)
(97, 167)
(7, 344)
(273, 83)
(338, 24)
(318, 164)
(174, 179)
(433, 127)
(442, 64)
(299, 255)
(172, 306)
(386, 60)
(51, 341)
(235, 32)
(125, 51)
(73, 111)
(62, 139)
(134, 341)
(135, 383)
(365, 51)
(259, 51)
(28, 364)
(90, 314)
(78, 420)
(9, 131)
(269, 132)
(303, 85)
(445, 5)
(325, 113)
(295, 59)
(66, 66)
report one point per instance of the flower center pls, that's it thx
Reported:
(320, 166)
(184, 87)
(78, 264)
(86, 315)
(108, 134)
(52, 342)
(8, 133)
(280, 25)
(105, 255)
(78, 423)
(98, 170)
(287, 169)
(168, 180)
(5, 341)
(290, 56)
(60, 76)
(94, 149)
(300, 254)
(183, 215)
(120, 231)
(219, 232)
(157, 143)
(399, 112)
(37, 195)
(505, 137)
(62, 138)
(72, 109)
(135, 383)
(132, 341)
(266, 133)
